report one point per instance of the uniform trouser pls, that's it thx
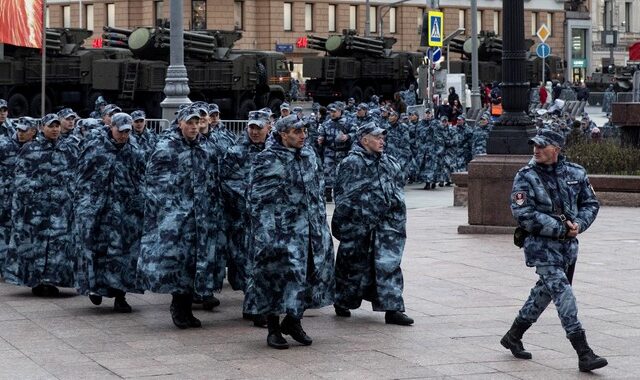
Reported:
(552, 285)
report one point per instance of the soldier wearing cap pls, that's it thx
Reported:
(40, 253)
(6, 129)
(398, 143)
(464, 144)
(108, 111)
(480, 136)
(370, 222)
(108, 223)
(146, 139)
(285, 110)
(26, 129)
(425, 155)
(67, 121)
(362, 116)
(234, 179)
(336, 137)
(291, 249)
(179, 249)
(222, 136)
(99, 106)
(552, 202)
(443, 142)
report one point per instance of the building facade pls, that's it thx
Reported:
(278, 24)
(621, 17)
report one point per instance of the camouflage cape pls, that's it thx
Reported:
(223, 136)
(426, 159)
(370, 221)
(9, 148)
(40, 249)
(333, 150)
(480, 138)
(445, 140)
(608, 99)
(7, 129)
(108, 216)
(398, 144)
(179, 250)
(537, 209)
(463, 148)
(146, 140)
(288, 227)
(234, 178)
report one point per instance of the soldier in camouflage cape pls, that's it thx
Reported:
(336, 137)
(40, 254)
(26, 129)
(179, 246)
(6, 128)
(398, 144)
(464, 146)
(426, 158)
(553, 202)
(145, 138)
(109, 214)
(290, 244)
(370, 221)
(220, 133)
(480, 136)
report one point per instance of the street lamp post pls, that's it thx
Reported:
(475, 93)
(176, 86)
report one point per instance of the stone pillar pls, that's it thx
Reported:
(514, 128)
(176, 86)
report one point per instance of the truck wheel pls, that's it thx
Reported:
(368, 93)
(246, 106)
(18, 105)
(35, 105)
(356, 93)
(274, 105)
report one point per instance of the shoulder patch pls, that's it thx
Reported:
(519, 198)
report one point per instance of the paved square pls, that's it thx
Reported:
(462, 290)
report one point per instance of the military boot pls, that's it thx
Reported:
(120, 305)
(177, 309)
(342, 311)
(512, 340)
(587, 359)
(275, 339)
(259, 320)
(292, 326)
(209, 303)
(95, 298)
(328, 194)
(192, 321)
(397, 318)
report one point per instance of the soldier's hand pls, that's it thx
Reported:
(320, 140)
(342, 137)
(572, 229)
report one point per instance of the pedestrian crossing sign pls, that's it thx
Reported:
(435, 28)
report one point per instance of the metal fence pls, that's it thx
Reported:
(157, 125)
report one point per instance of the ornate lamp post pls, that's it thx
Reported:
(176, 86)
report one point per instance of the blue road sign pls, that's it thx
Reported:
(543, 50)
(435, 28)
(435, 54)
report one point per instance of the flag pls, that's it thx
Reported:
(21, 22)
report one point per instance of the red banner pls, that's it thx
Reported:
(21, 22)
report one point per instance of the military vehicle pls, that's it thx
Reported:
(490, 60)
(130, 70)
(621, 77)
(357, 67)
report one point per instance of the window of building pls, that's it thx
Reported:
(332, 18)
(353, 17)
(550, 23)
(46, 17)
(308, 17)
(88, 12)
(421, 14)
(607, 15)
(534, 23)
(288, 13)
(392, 20)
(461, 20)
(496, 22)
(111, 15)
(238, 15)
(158, 12)
(373, 19)
(628, 16)
(198, 14)
(66, 16)
(479, 20)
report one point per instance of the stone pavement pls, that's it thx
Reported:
(462, 290)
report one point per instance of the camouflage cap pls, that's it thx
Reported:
(66, 113)
(284, 106)
(546, 137)
(332, 107)
(297, 109)
(461, 117)
(203, 107)
(100, 101)
(256, 118)
(267, 111)
(188, 113)
(110, 109)
(3, 104)
(363, 106)
(25, 123)
(89, 123)
(122, 121)
(413, 110)
(290, 121)
(213, 108)
(50, 118)
(138, 115)
(370, 128)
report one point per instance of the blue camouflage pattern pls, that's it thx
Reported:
(333, 150)
(426, 156)
(40, 250)
(290, 245)
(109, 212)
(370, 222)
(9, 148)
(398, 144)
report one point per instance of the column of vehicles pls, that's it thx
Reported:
(358, 67)
(130, 69)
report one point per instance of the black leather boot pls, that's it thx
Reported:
(342, 311)
(397, 318)
(120, 304)
(178, 311)
(192, 321)
(292, 326)
(275, 339)
(512, 340)
(587, 359)
(209, 303)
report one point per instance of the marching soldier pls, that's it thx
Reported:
(145, 139)
(6, 129)
(398, 143)
(336, 136)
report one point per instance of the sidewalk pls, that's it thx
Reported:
(462, 290)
